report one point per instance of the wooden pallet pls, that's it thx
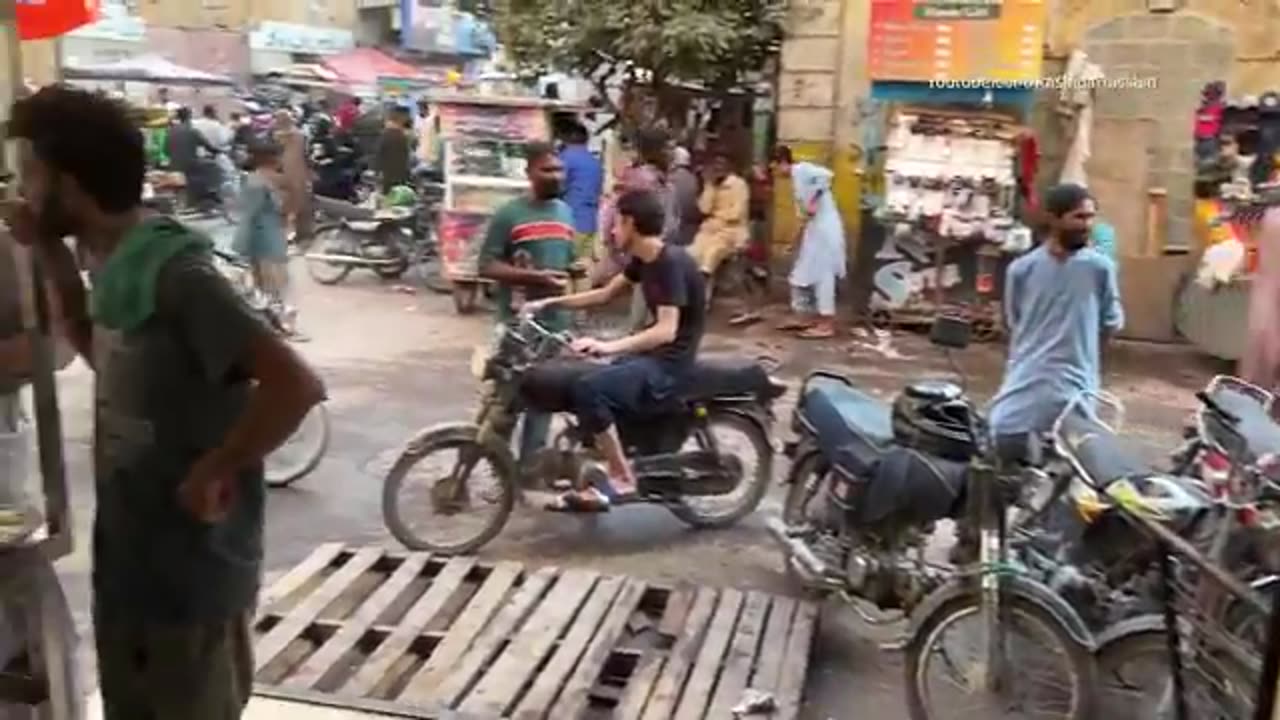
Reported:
(422, 637)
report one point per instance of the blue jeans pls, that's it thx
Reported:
(629, 386)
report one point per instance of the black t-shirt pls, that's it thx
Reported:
(673, 279)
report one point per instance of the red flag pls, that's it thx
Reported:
(41, 19)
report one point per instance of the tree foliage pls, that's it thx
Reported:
(716, 42)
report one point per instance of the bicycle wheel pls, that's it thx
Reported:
(1135, 682)
(1046, 665)
(302, 452)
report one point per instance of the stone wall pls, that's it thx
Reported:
(1181, 52)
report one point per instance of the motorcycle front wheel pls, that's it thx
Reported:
(328, 240)
(448, 493)
(1045, 665)
(302, 452)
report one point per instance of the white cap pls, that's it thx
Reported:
(681, 157)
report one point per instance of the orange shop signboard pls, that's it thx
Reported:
(956, 40)
(41, 19)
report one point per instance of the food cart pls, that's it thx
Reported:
(484, 139)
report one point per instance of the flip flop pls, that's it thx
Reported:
(816, 333)
(573, 502)
(746, 318)
(793, 325)
(598, 479)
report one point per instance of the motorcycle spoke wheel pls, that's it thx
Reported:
(448, 498)
(1135, 682)
(328, 241)
(744, 444)
(302, 452)
(1048, 675)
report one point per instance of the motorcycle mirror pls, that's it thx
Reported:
(952, 332)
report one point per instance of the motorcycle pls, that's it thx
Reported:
(881, 476)
(304, 450)
(527, 370)
(1209, 588)
(382, 240)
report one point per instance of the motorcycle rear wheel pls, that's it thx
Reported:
(699, 513)
(1224, 698)
(313, 437)
(921, 651)
(398, 512)
(325, 272)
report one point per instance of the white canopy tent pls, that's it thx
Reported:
(145, 68)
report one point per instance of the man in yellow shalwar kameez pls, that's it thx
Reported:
(725, 202)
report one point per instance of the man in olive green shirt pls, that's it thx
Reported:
(528, 249)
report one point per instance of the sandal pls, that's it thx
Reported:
(817, 333)
(746, 318)
(794, 325)
(575, 502)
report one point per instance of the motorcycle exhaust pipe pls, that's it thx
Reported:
(799, 555)
(351, 259)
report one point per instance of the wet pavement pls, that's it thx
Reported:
(396, 362)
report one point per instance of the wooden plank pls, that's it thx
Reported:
(298, 576)
(773, 649)
(702, 681)
(516, 667)
(278, 638)
(466, 628)
(326, 659)
(667, 692)
(640, 686)
(390, 650)
(799, 643)
(447, 686)
(534, 704)
(573, 699)
(742, 655)
(677, 611)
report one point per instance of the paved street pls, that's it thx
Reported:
(396, 362)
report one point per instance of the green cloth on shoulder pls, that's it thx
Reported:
(124, 290)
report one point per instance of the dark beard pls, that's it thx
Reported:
(1074, 241)
(549, 191)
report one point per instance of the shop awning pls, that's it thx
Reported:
(145, 68)
(51, 18)
(305, 75)
(363, 66)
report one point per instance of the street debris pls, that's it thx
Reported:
(755, 702)
(878, 341)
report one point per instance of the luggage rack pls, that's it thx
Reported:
(1216, 665)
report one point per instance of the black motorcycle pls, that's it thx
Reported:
(687, 455)
(385, 241)
(869, 479)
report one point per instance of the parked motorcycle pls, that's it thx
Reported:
(384, 241)
(709, 485)
(304, 450)
(868, 481)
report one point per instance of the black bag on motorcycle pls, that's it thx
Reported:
(905, 486)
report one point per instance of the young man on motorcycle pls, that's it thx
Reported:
(651, 365)
(528, 249)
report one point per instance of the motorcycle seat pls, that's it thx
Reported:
(840, 415)
(343, 210)
(712, 379)
(1105, 456)
(1260, 433)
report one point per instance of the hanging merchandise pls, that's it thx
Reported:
(952, 186)
(43, 19)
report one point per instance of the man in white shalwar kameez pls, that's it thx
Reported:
(820, 261)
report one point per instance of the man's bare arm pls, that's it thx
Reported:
(591, 298)
(662, 332)
(505, 272)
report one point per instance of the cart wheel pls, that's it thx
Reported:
(465, 295)
(881, 319)
(985, 330)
